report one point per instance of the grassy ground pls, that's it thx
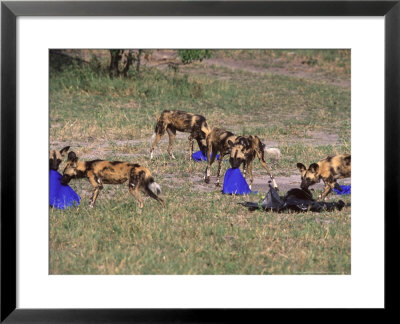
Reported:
(201, 231)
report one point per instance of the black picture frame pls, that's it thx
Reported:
(11, 10)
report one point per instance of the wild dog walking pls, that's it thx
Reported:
(56, 157)
(175, 120)
(101, 172)
(243, 150)
(329, 170)
(217, 142)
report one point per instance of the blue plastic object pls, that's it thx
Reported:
(61, 196)
(235, 183)
(199, 156)
(346, 190)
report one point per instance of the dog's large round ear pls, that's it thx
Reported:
(301, 167)
(314, 167)
(72, 156)
(64, 150)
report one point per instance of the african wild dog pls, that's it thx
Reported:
(101, 172)
(56, 157)
(243, 150)
(175, 120)
(217, 142)
(329, 170)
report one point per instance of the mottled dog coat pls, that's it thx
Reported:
(217, 142)
(329, 170)
(171, 121)
(100, 172)
(243, 151)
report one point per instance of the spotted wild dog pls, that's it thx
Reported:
(217, 142)
(101, 172)
(176, 120)
(329, 170)
(56, 157)
(243, 151)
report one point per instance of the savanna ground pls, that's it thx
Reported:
(296, 100)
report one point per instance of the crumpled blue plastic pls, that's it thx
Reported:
(235, 183)
(199, 156)
(61, 196)
(346, 190)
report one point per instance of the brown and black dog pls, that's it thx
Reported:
(243, 150)
(176, 120)
(217, 142)
(101, 172)
(56, 157)
(329, 170)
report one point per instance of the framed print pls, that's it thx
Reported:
(129, 94)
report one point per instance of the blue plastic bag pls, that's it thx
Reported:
(199, 156)
(346, 190)
(61, 196)
(235, 183)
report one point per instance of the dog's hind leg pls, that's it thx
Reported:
(96, 184)
(136, 194)
(158, 133)
(171, 134)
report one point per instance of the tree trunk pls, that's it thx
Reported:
(138, 60)
(116, 56)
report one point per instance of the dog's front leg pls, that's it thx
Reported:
(265, 166)
(250, 171)
(219, 170)
(190, 147)
(328, 188)
(97, 185)
(210, 160)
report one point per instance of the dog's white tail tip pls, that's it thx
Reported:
(155, 188)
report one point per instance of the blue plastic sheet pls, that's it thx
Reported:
(235, 183)
(61, 196)
(346, 190)
(199, 156)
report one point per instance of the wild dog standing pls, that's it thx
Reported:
(243, 150)
(101, 172)
(175, 120)
(56, 157)
(329, 170)
(217, 142)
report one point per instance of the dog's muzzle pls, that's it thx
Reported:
(235, 163)
(304, 185)
(65, 180)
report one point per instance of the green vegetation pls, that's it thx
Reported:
(200, 231)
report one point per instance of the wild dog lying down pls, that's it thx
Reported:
(175, 120)
(112, 172)
(243, 150)
(217, 142)
(56, 157)
(329, 170)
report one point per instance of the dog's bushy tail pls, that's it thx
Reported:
(142, 177)
(153, 186)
